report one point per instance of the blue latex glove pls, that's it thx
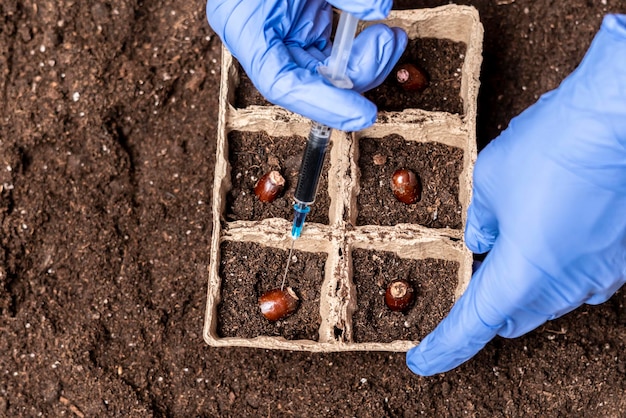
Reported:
(549, 204)
(279, 44)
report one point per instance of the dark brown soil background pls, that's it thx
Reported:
(108, 114)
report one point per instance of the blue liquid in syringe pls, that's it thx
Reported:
(300, 211)
(310, 171)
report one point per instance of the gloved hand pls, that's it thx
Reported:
(549, 204)
(279, 44)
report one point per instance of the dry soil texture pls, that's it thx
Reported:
(108, 115)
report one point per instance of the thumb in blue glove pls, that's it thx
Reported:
(279, 44)
(549, 205)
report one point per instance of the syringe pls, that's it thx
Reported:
(310, 172)
(319, 136)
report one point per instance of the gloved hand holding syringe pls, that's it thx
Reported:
(319, 136)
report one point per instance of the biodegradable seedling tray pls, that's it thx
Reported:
(357, 238)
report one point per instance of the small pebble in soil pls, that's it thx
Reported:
(379, 159)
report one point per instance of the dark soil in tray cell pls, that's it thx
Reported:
(251, 155)
(246, 94)
(248, 270)
(438, 167)
(441, 60)
(433, 280)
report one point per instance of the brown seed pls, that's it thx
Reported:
(405, 186)
(411, 78)
(277, 304)
(399, 295)
(269, 186)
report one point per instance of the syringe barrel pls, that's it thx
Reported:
(312, 162)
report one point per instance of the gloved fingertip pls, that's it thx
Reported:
(384, 7)
(383, 35)
(374, 54)
(476, 241)
(439, 353)
(616, 23)
(477, 238)
(400, 41)
(455, 340)
(606, 293)
(417, 363)
(368, 116)
(401, 36)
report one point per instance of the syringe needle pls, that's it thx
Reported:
(293, 242)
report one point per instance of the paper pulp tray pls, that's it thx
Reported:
(338, 259)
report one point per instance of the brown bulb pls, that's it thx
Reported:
(269, 186)
(405, 186)
(411, 78)
(277, 304)
(399, 295)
